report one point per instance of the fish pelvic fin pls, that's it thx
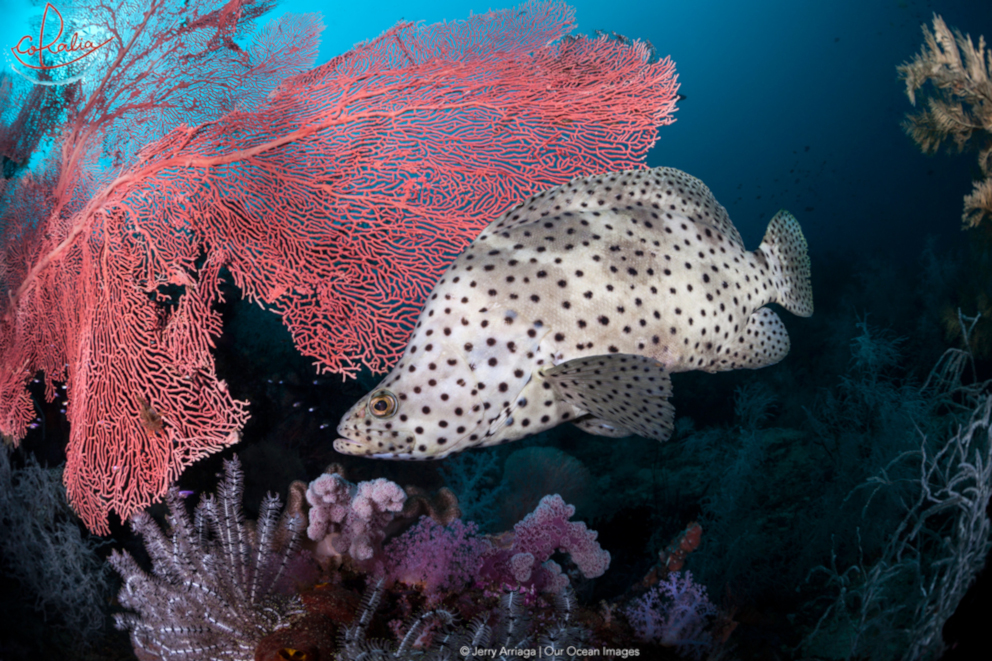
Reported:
(784, 248)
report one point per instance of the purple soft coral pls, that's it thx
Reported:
(673, 613)
(437, 558)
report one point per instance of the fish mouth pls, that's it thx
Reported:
(348, 446)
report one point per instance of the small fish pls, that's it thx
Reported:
(576, 306)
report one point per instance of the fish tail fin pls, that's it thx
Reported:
(784, 248)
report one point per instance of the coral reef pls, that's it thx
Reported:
(674, 613)
(437, 635)
(436, 558)
(896, 604)
(225, 588)
(524, 560)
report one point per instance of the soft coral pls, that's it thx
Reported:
(436, 557)
(673, 613)
(527, 563)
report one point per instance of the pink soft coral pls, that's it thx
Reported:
(526, 563)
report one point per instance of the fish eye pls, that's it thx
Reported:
(382, 404)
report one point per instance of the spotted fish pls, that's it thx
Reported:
(577, 306)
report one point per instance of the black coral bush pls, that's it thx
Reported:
(959, 111)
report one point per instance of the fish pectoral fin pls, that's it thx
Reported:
(597, 427)
(623, 390)
(764, 341)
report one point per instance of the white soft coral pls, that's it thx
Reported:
(349, 519)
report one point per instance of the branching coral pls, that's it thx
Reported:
(675, 612)
(893, 602)
(527, 562)
(961, 109)
(59, 572)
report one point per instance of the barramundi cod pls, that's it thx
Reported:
(577, 306)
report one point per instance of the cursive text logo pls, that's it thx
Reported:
(51, 51)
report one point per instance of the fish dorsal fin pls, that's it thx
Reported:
(625, 390)
(764, 340)
(694, 200)
(663, 190)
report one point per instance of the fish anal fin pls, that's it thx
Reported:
(764, 341)
(623, 390)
